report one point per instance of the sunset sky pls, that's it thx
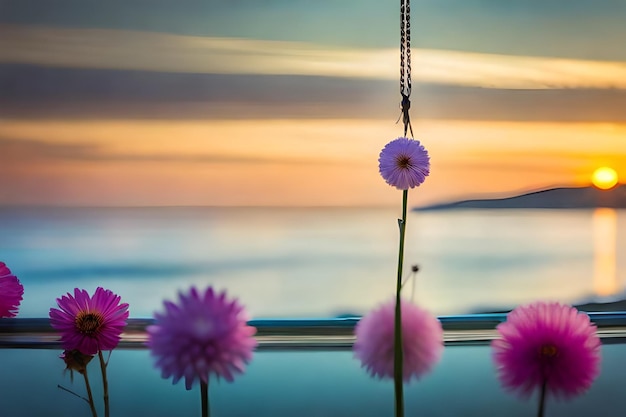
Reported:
(276, 102)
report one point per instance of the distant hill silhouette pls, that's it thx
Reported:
(554, 198)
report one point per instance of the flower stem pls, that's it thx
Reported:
(204, 394)
(90, 395)
(397, 344)
(542, 399)
(105, 383)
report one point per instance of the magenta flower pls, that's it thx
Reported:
(547, 343)
(204, 334)
(11, 292)
(422, 341)
(89, 324)
(404, 163)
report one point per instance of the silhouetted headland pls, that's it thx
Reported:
(554, 198)
(589, 307)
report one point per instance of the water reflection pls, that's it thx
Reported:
(604, 226)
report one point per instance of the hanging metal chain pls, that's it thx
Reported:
(405, 63)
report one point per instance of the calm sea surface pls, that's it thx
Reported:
(318, 262)
(304, 263)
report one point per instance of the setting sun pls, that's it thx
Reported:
(604, 178)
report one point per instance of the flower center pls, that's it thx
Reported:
(88, 323)
(403, 161)
(203, 328)
(548, 351)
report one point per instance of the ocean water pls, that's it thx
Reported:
(315, 262)
(295, 383)
(307, 263)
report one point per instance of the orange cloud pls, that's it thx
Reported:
(288, 162)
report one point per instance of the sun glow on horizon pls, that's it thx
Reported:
(290, 162)
(604, 178)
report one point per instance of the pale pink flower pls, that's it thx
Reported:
(204, 334)
(11, 292)
(404, 163)
(422, 341)
(89, 324)
(547, 342)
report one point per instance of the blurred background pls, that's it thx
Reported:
(151, 145)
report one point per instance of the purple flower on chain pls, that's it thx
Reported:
(204, 334)
(89, 324)
(549, 346)
(422, 341)
(11, 292)
(404, 163)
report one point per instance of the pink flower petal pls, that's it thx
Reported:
(204, 333)
(11, 292)
(422, 341)
(404, 163)
(105, 305)
(547, 341)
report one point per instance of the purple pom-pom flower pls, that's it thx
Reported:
(11, 292)
(89, 324)
(404, 163)
(547, 343)
(204, 334)
(422, 341)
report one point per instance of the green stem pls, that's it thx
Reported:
(105, 384)
(397, 344)
(542, 399)
(204, 394)
(90, 395)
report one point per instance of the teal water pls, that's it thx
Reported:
(318, 262)
(303, 263)
(296, 383)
